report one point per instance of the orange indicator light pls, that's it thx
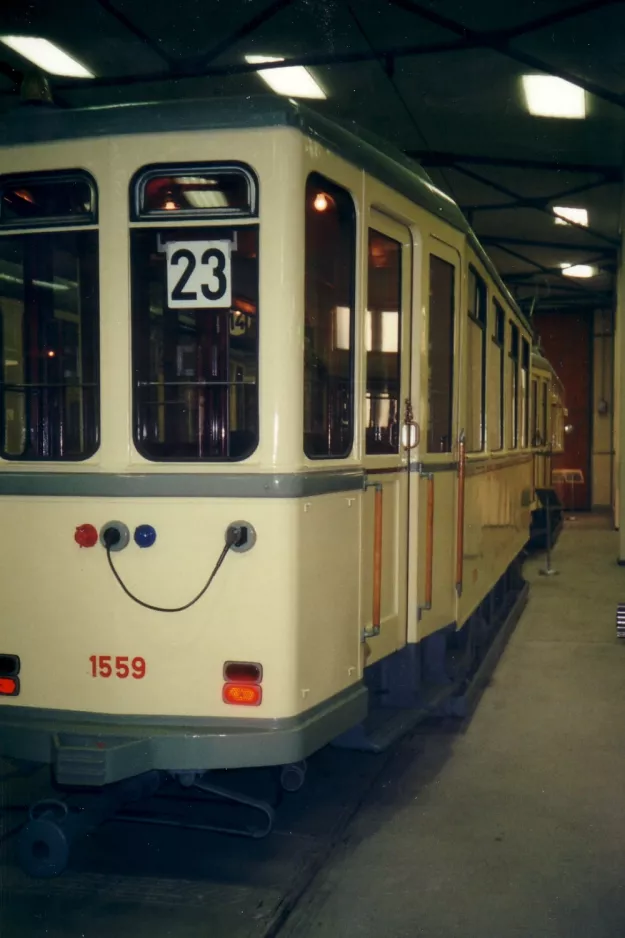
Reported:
(243, 695)
(8, 686)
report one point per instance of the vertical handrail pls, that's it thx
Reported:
(462, 455)
(377, 559)
(429, 542)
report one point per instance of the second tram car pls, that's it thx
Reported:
(267, 445)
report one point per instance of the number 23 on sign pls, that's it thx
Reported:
(199, 274)
(121, 666)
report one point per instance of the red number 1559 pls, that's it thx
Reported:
(121, 666)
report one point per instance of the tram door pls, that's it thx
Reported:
(438, 452)
(387, 416)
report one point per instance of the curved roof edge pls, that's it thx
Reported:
(30, 124)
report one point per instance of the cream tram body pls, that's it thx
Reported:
(366, 333)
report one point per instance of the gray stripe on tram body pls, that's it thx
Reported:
(180, 485)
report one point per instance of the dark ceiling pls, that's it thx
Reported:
(441, 79)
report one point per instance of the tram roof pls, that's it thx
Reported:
(37, 124)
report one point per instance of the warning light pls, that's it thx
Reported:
(86, 535)
(9, 686)
(243, 695)
(51, 353)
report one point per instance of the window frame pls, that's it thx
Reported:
(150, 171)
(191, 220)
(374, 227)
(480, 318)
(525, 366)
(332, 185)
(514, 356)
(51, 225)
(442, 253)
(498, 338)
(89, 219)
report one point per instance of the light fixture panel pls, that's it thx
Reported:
(547, 96)
(47, 56)
(293, 81)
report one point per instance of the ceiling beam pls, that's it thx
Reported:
(436, 158)
(574, 287)
(137, 32)
(538, 207)
(558, 16)
(499, 36)
(498, 41)
(555, 245)
(202, 61)
(541, 201)
(245, 68)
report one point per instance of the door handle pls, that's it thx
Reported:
(410, 432)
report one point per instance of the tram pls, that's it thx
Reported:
(266, 438)
(548, 436)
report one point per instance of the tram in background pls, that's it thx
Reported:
(246, 349)
(548, 437)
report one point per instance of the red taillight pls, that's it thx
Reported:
(243, 672)
(243, 695)
(9, 686)
(86, 535)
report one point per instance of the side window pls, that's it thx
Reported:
(475, 387)
(535, 427)
(513, 388)
(329, 320)
(441, 355)
(496, 380)
(382, 332)
(544, 412)
(525, 393)
(49, 317)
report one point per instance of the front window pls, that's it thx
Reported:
(49, 386)
(195, 328)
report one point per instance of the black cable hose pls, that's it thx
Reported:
(232, 536)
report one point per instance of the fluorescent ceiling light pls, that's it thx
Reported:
(578, 270)
(564, 214)
(295, 81)
(46, 56)
(547, 96)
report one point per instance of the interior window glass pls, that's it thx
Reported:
(475, 362)
(47, 198)
(524, 390)
(496, 380)
(195, 342)
(441, 355)
(328, 320)
(382, 338)
(513, 387)
(194, 191)
(49, 299)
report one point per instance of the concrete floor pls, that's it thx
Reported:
(516, 826)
